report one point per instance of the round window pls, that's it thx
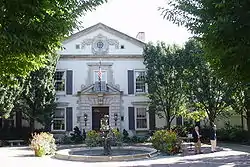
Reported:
(99, 44)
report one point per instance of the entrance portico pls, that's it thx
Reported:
(94, 105)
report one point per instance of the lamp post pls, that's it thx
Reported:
(115, 118)
(85, 119)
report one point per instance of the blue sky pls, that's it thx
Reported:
(133, 16)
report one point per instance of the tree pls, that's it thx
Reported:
(238, 102)
(223, 29)
(30, 30)
(205, 91)
(8, 95)
(164, 80)
(37, 101)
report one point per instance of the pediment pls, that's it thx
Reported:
(91, 89)
(101, 39)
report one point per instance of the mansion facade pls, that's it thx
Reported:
(83, 100)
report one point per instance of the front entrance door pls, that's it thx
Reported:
(97, 114)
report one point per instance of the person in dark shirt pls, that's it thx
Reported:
(213, 138)
(196, 139)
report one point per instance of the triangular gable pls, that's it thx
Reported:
(107, 29)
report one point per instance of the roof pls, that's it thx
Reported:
(106, 28)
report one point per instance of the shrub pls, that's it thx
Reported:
(232, 134)
(139, 139)
(165, 141)
(93, 139)
(125, 137)
(118, 137)
(43, 144)
(66, 140)
(76, 136)
(181, 130)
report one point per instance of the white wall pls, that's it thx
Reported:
(129, 48)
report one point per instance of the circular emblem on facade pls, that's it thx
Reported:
(100, 45)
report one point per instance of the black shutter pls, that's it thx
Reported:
(131, 118)
(69, 119)
(152, 120)
(179, 120)
(69, 82)
(130, 81)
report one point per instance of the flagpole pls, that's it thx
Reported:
(100, 87)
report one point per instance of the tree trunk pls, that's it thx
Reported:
(247, 103)
(168, 125)
(242, 121)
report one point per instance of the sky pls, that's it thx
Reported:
(133, 16)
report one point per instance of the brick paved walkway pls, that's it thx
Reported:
(23, 157)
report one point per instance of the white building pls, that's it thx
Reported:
(123, 92)
(83, 101)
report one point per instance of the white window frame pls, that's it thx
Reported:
(65, 80)
(147, 117)
(52, 125)
(103, 71)
(146, 88)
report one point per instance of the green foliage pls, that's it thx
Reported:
(181, 130)
(76, 136)
(8, 96)
(223, 27)
(66, 140)
(165, 80)
(93, 139)
(37, 101)
(118, 137)
(44, 143)
(125, 136)
(138, 139)
(232, 134)
(207, 94)
(29, 30)
(165, 141)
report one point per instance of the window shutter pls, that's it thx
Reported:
(69, 82)
(151, 120)
(131, 118)
(179, 120)
(130, 81)
(69, 119)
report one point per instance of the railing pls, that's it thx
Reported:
(100, 86)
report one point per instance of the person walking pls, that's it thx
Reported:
(197, 140)
(213, 138)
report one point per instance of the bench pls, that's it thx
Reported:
(18, 142)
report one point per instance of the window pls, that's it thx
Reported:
(60, 81)
(140, 85)
(78, 46)
(59, 120)
(141, 118)
(104, 76)
(122, 46)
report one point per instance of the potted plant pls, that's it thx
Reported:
(43, 144)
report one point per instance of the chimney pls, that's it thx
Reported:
(141, 36)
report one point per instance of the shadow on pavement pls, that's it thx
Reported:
(222, 161)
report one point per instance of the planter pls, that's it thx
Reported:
(39, 152)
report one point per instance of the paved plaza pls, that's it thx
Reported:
(230, 156)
